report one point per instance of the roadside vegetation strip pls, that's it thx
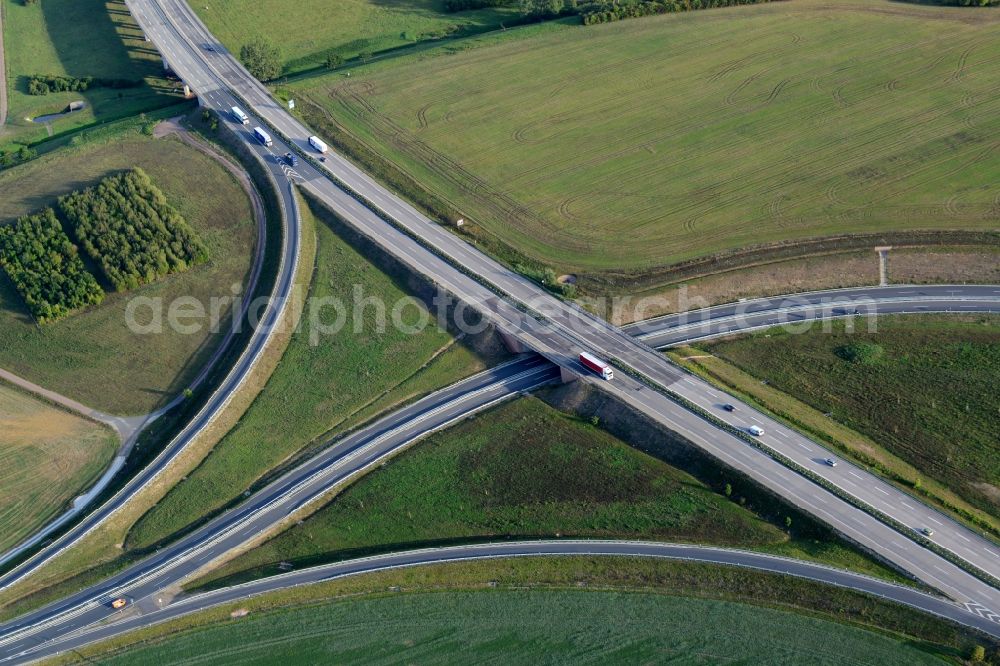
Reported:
(919, 386)
(115, 370)
(321, 382)
(743, 108)
(821, 481)
(525, 469)
(44, 267)
(47, 457)
(848, 442)
(579, 573)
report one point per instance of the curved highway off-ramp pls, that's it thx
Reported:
(800, 309)
(270, 321)
(149, 612)
(305, 484)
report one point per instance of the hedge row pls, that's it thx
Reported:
(126, 225)
(466, 5)
(43, 84)
(605, 12)
(45, 268)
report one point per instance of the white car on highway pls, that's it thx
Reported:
(756, 431)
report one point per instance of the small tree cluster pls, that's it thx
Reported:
(45, 268)
(43, 84)
(262, 59)
(126, 225)
(11, 158)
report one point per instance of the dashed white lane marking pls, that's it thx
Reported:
(856, 475)
(881, 491)
(934, 520)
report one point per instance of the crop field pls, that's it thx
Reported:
(315, 389)
(527, 470)
(76, 38)
(527, 626)
(924, 388)
(47, 457)
(305, 32)
(92, 356)
(627, 146)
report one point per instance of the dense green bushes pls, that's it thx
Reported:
(9, 158)
(126, 225)
(44, 266)
(43, 84)
(466, 5)
(605, 11)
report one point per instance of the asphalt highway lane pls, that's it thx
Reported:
(309, 482)
(144, 615)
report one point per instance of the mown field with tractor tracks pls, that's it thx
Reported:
(629, 146)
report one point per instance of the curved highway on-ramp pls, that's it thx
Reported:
(150, 612)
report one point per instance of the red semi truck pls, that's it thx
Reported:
(597, 365)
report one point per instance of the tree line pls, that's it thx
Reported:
(125, 224)
(43, 84)
(45, 268)
(603, 11)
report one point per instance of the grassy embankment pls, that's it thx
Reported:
(92, 356)
(526, 470)
(317, 389)
(47, 457)
(77, 38)
(551, 626)
(922, 406)
(729, 128)
(684, 579)
(307, 32)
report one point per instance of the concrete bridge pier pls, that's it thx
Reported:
(566, 375)
(513, 345)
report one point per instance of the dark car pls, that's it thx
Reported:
(729, 408)
(291, 159)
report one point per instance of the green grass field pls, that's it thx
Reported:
(315, 389)
(931, 398)
(527, 470)
(306, 31)
(551, 627)
(637, 144)
(47, 457)
(76, 38)
(92, 356)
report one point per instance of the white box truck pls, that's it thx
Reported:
(239, 116)
(318, 144)
(262, 136)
